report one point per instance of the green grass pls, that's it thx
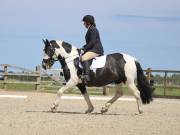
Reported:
(170, 91)
(159, 91)
(28, 87)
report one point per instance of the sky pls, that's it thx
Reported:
(146, 30)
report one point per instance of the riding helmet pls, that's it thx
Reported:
(89, 18)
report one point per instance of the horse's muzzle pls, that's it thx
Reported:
(43, 65)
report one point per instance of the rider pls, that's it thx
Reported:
(93, 46)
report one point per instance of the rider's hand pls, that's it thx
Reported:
(81, 51)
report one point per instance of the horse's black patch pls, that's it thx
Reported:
(65, 68)
(120, 66)
(112, 72)
(47, 44)
(67, 47)
(76, 64)
(82, 88)
(49, 50)
(143, 85)
(54, 44)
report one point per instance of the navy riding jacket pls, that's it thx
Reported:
(93, 41)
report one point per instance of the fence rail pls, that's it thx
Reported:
(149, 72)
(24, 72)
(38, 74)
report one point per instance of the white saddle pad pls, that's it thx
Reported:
(97, 62)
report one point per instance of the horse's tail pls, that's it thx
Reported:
(143, 85)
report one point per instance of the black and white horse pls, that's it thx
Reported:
(119, 69)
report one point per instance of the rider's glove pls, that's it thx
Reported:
(81, 51)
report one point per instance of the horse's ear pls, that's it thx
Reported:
(47, 42)
(44, 41)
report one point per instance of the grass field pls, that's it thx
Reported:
(159, 91)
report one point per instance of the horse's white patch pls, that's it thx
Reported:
(59, 42)
(73, 72)
(128, 57)
(130, 67)
(68, 56)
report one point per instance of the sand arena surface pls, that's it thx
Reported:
(30, 116)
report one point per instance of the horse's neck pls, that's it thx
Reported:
(65, 57)
(62, 61)
(71, 58)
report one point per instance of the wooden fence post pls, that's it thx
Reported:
(165, 83)
(38, 78)
(5, 76)
(104, 91)
(148, 74)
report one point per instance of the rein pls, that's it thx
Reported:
(71, 58)
(68, 59)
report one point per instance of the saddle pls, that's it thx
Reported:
(97, 62)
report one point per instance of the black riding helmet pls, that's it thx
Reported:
(89, 19)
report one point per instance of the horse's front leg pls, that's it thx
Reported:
(60, 93)
(83, 90)
(88, 101)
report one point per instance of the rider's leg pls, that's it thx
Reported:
(88, 56)
(86, 69)
(85, 63)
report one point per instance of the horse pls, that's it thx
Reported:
(119, 69)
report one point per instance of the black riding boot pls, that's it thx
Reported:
(86, 70)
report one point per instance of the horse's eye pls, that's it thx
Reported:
(45, 60)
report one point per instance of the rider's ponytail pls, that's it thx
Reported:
(94, 24)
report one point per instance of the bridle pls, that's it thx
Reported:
(66, 59)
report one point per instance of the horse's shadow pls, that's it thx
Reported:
(75, 113)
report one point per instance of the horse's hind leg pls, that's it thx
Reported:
(118, 94)
(136, 94)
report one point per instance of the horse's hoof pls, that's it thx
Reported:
(89, 110)
(139, 112)
(53, 109)
(104, 110)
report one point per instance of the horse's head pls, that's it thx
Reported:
(49, 55)
(57, 50)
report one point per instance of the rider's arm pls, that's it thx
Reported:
(91, 43)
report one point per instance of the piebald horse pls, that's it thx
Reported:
(118, 69)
